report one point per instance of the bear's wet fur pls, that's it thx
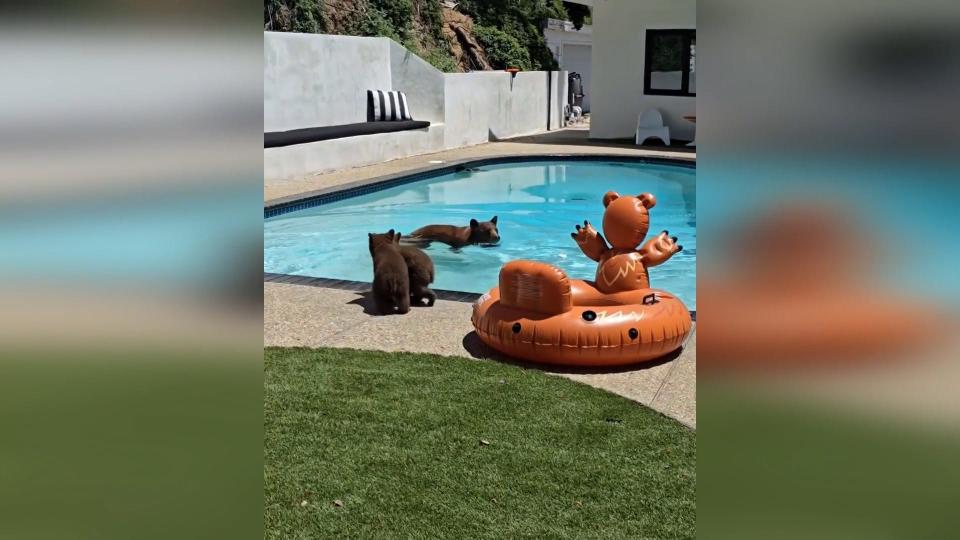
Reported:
(478, 232)
(391, 280)
(420, 270)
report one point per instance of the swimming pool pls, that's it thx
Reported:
(537, 203)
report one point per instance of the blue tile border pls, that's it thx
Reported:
(363, 286)
(303, 201)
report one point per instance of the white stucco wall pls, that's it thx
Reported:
(297, 161)
(315, 80)
(419, 81)
(616, 86)
(471, 99)
(311, 80)
(488, 105)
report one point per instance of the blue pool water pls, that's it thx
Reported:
(538, 203)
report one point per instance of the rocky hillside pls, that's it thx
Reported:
(475, 35)
(466, 51)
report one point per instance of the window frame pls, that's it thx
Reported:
(688, 35)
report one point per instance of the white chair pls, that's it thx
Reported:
(650, 124)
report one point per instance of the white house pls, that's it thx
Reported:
(644, 55)
(573, 50)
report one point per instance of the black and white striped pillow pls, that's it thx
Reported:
(386, 105)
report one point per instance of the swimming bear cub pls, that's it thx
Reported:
(478, 232)
(420, 271)
(391, 281)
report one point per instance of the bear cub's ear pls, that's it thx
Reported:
(609, 197)
(647, 200)
(494, 220)
(474, 224)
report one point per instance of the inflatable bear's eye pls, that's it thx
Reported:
(589, 316)
(516, 328)
(633, 333)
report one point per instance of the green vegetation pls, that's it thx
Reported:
(578, 14)
(398, 14)
(416, 24)
(377, 445)
(503, 50)
(294, 16)
(523, 20)
(376, 22)
(441, 60)
(511, 31)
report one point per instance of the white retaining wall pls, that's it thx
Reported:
(422, 83)
(299, 160)
(310, 82)
(315, 80)
(492, 105)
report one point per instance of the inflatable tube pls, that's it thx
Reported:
(540, 315)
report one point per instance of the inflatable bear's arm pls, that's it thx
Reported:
(659, 249)
(590, 241)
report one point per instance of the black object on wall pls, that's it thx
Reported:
(575, 89)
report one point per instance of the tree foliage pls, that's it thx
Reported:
(294, 16)
(503, 50)
(397, 13)
(577, 14)
(429, 12)
(524, 20)
(511, 31)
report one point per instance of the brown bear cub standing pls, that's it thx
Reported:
(420, 271)
(391, 282)
(478, 232)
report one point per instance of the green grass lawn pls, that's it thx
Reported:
(366, 444)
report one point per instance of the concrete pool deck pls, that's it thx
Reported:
(299, 315)
(307, 316)
(563, 141)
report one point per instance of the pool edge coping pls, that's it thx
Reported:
(309, 199)
(365, 286)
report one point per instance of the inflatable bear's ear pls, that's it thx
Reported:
(610, 197)
(648, 200)
(390, 233)
(474, 224)
(494, 220)
(396, 239)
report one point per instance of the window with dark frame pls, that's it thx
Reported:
(669, 67)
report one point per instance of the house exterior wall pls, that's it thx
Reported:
(619, 39)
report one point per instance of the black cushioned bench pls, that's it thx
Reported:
(298, 136)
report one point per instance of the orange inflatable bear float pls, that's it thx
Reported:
(539, 314)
